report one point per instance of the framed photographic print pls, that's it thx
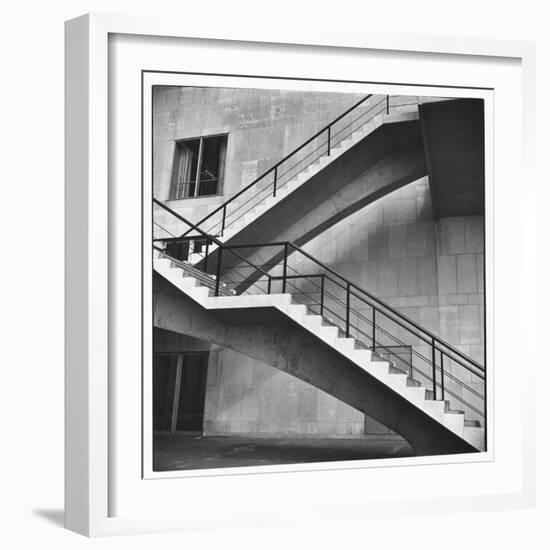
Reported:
(285, 259)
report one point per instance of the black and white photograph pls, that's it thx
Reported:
(279, 272)
(318, 265)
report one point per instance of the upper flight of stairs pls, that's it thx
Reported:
(243, 213)
(415, 400)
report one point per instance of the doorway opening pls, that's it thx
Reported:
(179, 389)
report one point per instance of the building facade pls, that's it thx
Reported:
(209, 143)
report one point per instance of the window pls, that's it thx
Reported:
(199, 166)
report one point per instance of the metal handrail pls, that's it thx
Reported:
(273, 169)
(226, 220)
(279, 183)
(430, 335)
(443, 348)
(368, 321)
(207, 236)
(352, 290)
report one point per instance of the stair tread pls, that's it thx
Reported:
(200, 276)
(395, 370)
(472, 424)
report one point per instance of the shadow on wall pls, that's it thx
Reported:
(246, 396)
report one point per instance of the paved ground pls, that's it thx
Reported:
(190, 453)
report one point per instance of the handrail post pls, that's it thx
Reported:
(275, 182)
(442, 376)
(433, 370)
(284, 267)
(268, 284)
(322, 294)
(219, 271)
(387, 104)
(328, 142)
(223, 219)
(206, 256)
(348, 296)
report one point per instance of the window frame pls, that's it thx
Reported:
(174, 176)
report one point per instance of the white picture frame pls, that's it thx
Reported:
(102, 50)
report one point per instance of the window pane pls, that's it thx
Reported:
(178, 250)
(186, 163)
(212, 163)
(186, 169)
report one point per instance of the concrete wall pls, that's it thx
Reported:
(262, 126)
(431, 271)
(165, 341)
(246, 396)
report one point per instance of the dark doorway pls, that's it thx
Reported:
(192, 392)
(165, 369)
(179, 388)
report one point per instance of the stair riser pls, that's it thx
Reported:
(347, 345)
(397, 380)
(455, 423)
(328, 333)
(475, 436)
(435, 409)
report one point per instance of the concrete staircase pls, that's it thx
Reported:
(415, 401)
(240, 212)
(203, 279)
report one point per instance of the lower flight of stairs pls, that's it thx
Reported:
(200, 287)
(203, 279)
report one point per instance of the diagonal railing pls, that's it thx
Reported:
(445, 371)
(286, 170)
